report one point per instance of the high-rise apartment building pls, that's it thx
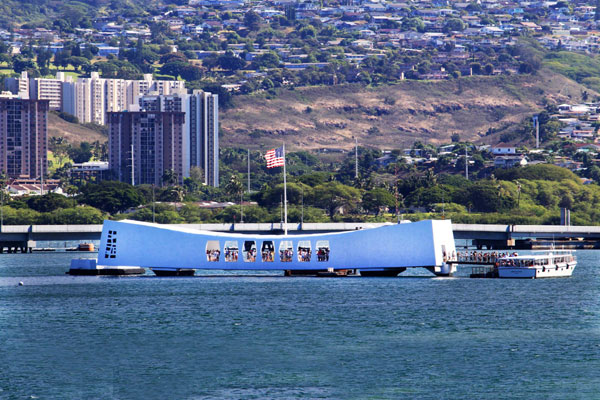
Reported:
(47, 89)
(143, 145)
(89, 99)
(18, 86)
(85, 99)
(201, 127)
(204, 135)
(116, 95)
(23, 137)
(39, 88)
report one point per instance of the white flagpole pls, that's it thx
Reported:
(284, 194)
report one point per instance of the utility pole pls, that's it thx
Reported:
(132, 167)
(443, 207)
(153, 202)
(41, 176)
(396, 191)
(536, 125)
(356, 157)
(241, 206)
(466, 164)
(248, 170)
(302, 202)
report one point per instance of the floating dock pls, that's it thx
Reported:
(88, 267)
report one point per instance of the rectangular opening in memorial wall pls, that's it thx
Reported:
(268, 251)
(249, 251)
(213, 251)
(322, 250)
(231, 251)
(304, 251)
(286, 251)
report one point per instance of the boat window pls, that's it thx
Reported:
(304, 251)
(286, 251)
(213, 250)
(267, 251)
(231, 251)
(249, 251)
(322, 250)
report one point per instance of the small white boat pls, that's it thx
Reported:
(552, 264)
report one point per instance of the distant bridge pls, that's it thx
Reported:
(480, 235)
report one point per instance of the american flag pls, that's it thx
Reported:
(275, 158)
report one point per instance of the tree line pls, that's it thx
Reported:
(319, 192)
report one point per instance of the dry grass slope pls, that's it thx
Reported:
(73, 133)
(329, 117)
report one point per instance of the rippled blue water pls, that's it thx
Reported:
(256, 337)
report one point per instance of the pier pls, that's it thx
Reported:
(21, 238)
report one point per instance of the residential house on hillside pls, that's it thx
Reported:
(503, 150)
(509, 161)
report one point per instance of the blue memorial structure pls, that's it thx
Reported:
(128, 246)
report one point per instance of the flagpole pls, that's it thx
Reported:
(284, 194)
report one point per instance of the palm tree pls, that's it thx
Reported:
(170, 178)
(234, 187)
(173, 193)
(430, 178)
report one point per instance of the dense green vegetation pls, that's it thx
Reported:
(321, 187)
(581, 68)
(67, 13)
(325, 189)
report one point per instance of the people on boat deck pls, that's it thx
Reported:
(483, 257)
(251, 255)
(213, 255)
(267, 256)
(285, 255)
(304, 254)
(323, 254)
(231, 255)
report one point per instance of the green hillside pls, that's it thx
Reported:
(40, 13)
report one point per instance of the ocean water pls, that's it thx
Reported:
(241, 336)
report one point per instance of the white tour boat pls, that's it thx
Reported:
(553, 264)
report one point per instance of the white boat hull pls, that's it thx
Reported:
(555, 271)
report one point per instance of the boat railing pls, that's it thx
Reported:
(473, 257)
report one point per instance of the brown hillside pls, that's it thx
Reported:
(329, 117)
(73, 133)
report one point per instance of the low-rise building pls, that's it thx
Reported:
(91, 170)
(509, 161)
